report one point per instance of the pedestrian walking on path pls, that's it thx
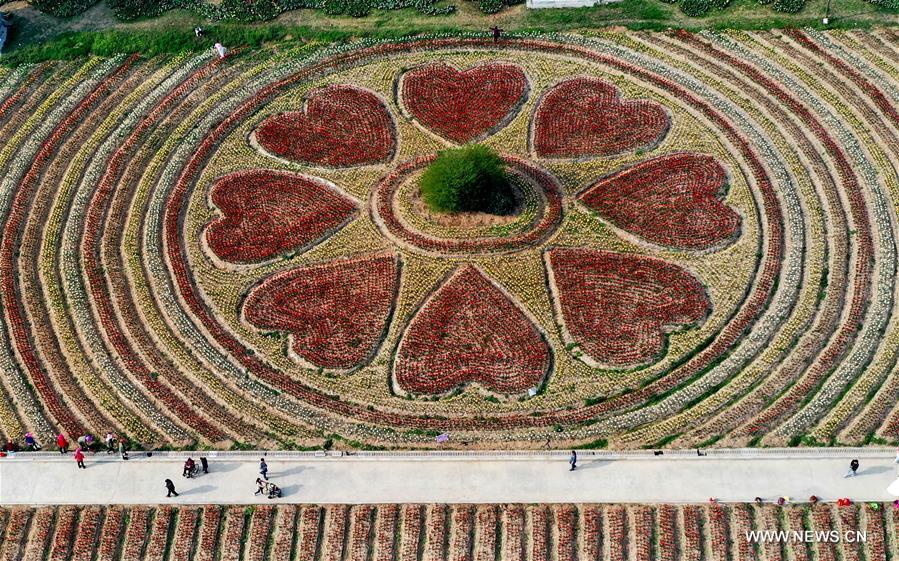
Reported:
(205, 464)
(853, 467)
(62, 443)
(122, 451)
(31, 443)
(263, 468)
(79, 457)
(573, 460)
(110, 443)
(170, 487)
(260, 486)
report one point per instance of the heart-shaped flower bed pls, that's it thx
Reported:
(586, 117)
(339, 126)
(672, 200)
(469, 331)
(266, 213)
(335, 313)
(463, 105)
(619, 307)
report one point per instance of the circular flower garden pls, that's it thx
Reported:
(202, 251)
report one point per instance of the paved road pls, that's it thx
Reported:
(471, 479)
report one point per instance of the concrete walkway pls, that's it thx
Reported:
(464, 478)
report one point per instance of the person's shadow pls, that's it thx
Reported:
(197, 490)
(873, 470)
(592, 464)
(289, 490)
(291, 471)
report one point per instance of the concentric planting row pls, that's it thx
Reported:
(438, 532)
(129, 303)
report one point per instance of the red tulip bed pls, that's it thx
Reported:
(453, 532)
(199, 252)
(267, 213)
(463, 105)
(619, 307)
(335, 312)
(586, 117)
(340, 125)
(507, 353)
(691, 216)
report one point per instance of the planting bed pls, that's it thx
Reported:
(445, 532)
(202, 252)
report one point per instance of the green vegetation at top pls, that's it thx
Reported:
(468, 179)
(265, 10)
(37, 37)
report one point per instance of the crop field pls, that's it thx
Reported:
(437, 532)
(203, 252)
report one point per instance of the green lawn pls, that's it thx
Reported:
(38, 36)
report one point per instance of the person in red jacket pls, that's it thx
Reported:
(79, 457)
(62, 443)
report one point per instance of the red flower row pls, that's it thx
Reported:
(336, 312)
(720, 534)
(642, 536)
(260, 526)
(874, 526)
(539, 533)
(86, 539)
(339, 126)
(470, 331)
(566, 543)
(285, 527)
(231, 544)
(668, 542)
(110, 535)
(742, 516)
(185, 530)
(209, 533)
(435, 532)
(62, 537)
(383, 207)
(849, 525)
(386, 532)
(485, 547)
(463, 526)
(335, 529)
(619, 307)
(267, 213)
(463, 105)
(159, 533)
(513, 533)
(136, 533)
(617, 525)
(360, 528)
(823, 522)
(671, 201)
(411, 532)
(310, 520)
(692, 544)
(593, 532)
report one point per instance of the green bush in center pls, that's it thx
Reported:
(468, 179)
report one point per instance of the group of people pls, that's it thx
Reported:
(87, 443)
(266, 488)
(190, 471)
